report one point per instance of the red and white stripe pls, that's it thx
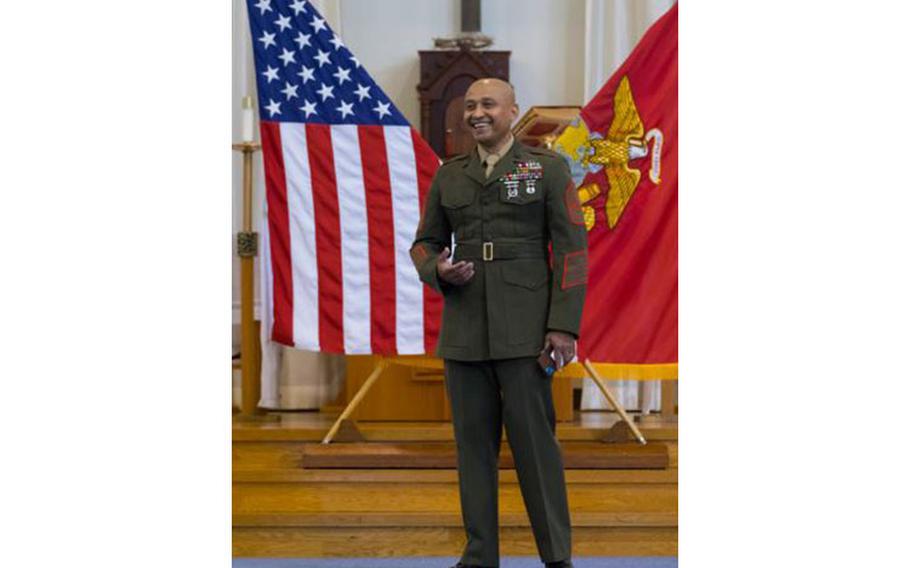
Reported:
(344, 202)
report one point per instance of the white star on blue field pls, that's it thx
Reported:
(305, 73)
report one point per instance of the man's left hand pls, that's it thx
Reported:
(563, 346)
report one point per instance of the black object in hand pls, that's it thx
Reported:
(546, 363)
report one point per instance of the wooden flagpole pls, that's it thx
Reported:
(381, 366)
(613, 402)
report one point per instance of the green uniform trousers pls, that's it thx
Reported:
(486, 395)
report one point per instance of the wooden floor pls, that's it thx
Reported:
(283, 509)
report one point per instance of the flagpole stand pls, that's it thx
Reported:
(247, 249)
(613, 402)
(381, 366)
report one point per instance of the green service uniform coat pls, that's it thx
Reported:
(527, 203)
(493, 328)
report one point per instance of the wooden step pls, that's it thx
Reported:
(418, 476)
(299, 499)
(282, 508)
(427, 455)
(312, 428)
(303, 542)
(289, 455)
(434, 519)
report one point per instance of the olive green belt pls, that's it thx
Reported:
(489, 251)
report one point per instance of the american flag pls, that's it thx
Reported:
(346, 178)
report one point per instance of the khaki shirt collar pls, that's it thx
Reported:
(483, 153)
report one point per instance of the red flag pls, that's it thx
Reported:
(623, 156)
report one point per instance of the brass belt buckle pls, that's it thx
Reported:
(487, 251)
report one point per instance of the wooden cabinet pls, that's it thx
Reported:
(445, 75)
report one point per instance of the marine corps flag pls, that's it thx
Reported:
(622, 152)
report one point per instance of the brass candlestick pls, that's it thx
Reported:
(247, 249)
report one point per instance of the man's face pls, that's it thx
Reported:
(489, 110)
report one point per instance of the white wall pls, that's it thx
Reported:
(386, 36)
(546, 38)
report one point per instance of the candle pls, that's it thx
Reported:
(246, 124)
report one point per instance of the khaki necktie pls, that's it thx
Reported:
(491, 163)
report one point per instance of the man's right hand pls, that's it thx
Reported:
(458, 273)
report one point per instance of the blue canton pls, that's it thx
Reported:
(304, 73)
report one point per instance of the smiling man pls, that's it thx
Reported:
(506, 306)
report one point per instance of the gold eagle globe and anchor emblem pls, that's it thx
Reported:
(624, 142)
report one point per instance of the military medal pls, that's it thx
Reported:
(511, 188)
(528, 172)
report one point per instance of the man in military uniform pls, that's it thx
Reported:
(505, 305)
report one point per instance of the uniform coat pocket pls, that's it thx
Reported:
(455, 202)
(527, 294)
